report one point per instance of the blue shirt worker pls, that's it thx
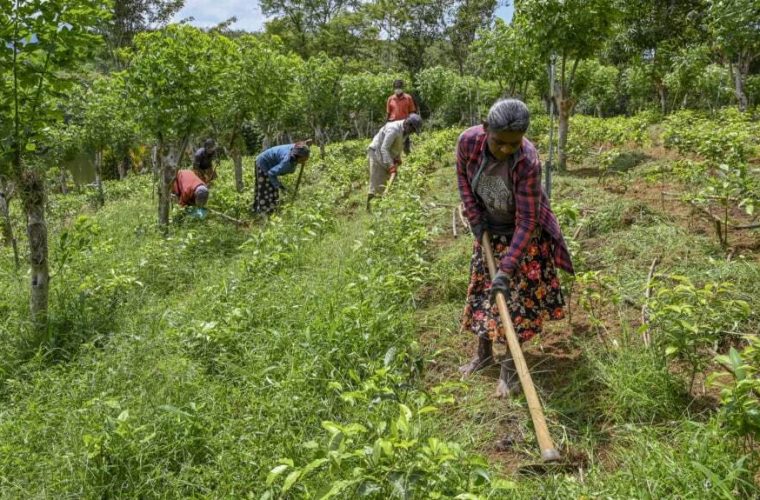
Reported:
(270, 166)
(203, 161)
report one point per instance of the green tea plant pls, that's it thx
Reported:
(688, 320)
(740, 397)
(595, 135)
(388, 454)
(719, 170)
(597, 291)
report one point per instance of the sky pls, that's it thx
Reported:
(209, 13)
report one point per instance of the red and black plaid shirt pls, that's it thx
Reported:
(532, 205)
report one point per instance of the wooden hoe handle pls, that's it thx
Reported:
(390, 183)
(298, 183)
(548, 452)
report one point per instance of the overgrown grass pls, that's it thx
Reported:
(316, 352)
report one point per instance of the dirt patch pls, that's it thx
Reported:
(663, 198)
(583, 172)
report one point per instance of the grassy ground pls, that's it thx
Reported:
(628, 424)
(220, 361)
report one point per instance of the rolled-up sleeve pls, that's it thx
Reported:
(392, 135)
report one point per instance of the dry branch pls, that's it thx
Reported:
(227, 217)
(647, 295)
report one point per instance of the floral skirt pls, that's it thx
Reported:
(266, 197)
(535, 295)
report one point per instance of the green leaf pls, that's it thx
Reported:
(427, 409)
(337, 488)
(275, 472)
(313, 465)
(290, 480)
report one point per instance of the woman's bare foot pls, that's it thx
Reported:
(509, 383)
(482, 360)
(475, 365)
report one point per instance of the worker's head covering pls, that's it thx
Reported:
(398, 84)
(201, 196)
(301, 150)
(415, 122)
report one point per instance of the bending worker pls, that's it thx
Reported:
(203, 161)
(384, 152)
(190, 189)
(270, 165)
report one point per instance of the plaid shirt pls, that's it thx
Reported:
(532, 205)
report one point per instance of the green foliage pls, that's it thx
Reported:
(683, 460)
(597, 291)
(689, 320)
(318, 85)
(388, 454)
(734, 25)
(363, 97)
(40, 39)
(172, 74)
(455, 99)
(505, 54)
(594, 134)
(571, 28)
(741, 396)
(597, 86)
(106, 119)
(638, 386)
(721, 172)
(256, 84)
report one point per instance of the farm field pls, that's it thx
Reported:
(316, 355)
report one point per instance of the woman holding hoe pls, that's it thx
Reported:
(270, 165)
(499, 177)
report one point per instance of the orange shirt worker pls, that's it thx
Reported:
(399, 106)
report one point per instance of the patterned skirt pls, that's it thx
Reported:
(535, 295)
(266, 197)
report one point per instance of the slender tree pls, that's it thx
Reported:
(735, 24)
(469, 16)
(40, 39)
(172, 76)
(574, 30)
(107, 122)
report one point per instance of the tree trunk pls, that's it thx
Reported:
(123, 167)
(320, 140)
(154, 163)
(101, 197)
(33, 193)
(566, 106)
(64, 181)
(165, 177)
(237, 160)
(8, 237)
(740, 78)
(663, 98)
(168, 166)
